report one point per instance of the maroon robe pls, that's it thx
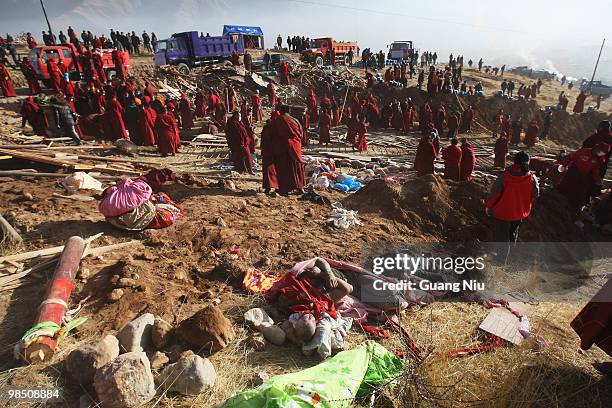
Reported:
(99, 67)
(119, 64)
(531, 134)
(145, 127)
(324, 127)
(33, 114)
(425, 156)
(287, 146)
(270, 181)
(55, 76)
(468, 161)
(114, 127)
(30, 74)
(167, 133)
(501, 151)
(185, 112)
(5, 82)
(362, 130)
(238, 141)
(200, 104)
(452, 162)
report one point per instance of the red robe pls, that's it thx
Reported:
(267, 158)
(531, 134)
(33, 114)
(362, 130)
(88, 70)
(285, 76)
(581, 178)
(167, 133)
(114, 127)
(425, 156)
(119, 64)
(55, 76)
(145, 128)
(99, 66)
(5, 82)
(287, 146)
(468, 161)
(271, 94)
(256, 102)
(579, 107)
(452, 162)
(185, 112)
(238, 141)
(313, 109)
(31, 77)
(501, 151)
(351, 131)
(407, 118)
(324, 127)
(230, 97)
(466, 120)
(200, 104)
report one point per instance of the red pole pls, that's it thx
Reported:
(53, 308)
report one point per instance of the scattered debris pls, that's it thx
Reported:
(340, 217)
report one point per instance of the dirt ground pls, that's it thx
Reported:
(180, 270)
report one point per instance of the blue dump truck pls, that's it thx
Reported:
(190, 49)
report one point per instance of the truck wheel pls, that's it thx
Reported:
(111, 74)
(341, 60)
(183, 68)
(319, 61)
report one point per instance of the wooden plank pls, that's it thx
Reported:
(9, 230)
(42, 252)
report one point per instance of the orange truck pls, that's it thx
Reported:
(318, 52)
(69, 56)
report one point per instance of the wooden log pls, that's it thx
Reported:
(42, 252)
(25, 173)
(9, 231)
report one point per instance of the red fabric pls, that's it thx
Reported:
(185, 112)
(67, 88)
(453, 122)
(271, 94)
(534, 90)
(230, 97)
(351, 133)
(407, 118)
(285, 74)
(256, 102)
(267, 158)
(324, 127)
(362, 130)
(532, 134)
(88, 70)
(200, 104)
(452, 162)
(594, 322)
(425, 156)
(584, 161)
(114, 127)
(307, 298)
(99, 67)
(30, 74)
(501, 151)
(313, 109)
(466, 120)
(468, 161)
(287, 147)
(514, 201)
(579, 107)
(33, 114)
(167, 133)
(238, 141)
(5, 82)
(119, 64)
(164, 217)
(54, 75)
(145, 128)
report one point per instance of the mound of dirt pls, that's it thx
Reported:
(454, 211)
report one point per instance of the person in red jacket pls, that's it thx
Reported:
(166, 132)
(99, 66)
(452, 160)
(583, 178)
(468, 160)
(425, 156)
(531, 134)
(510, 201)
(501, 151)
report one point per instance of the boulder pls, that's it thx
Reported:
(191, 375)
(125, 382)
(136, 335)
(273, 334)
(83, 362)
(158, 360)
(208, 329)
(116, 294)
(160, 332)
(257, 316)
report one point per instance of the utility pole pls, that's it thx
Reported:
(597, 63)
(46, 18)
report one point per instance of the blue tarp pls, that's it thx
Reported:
(247, 30)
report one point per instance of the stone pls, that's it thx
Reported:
(28, 196)
(86, 402)
(273, 334)
(256, 317)
(191, 375)
(136, 335)
(84, 273)
(160, 332)
(83, 362)
(174, 352)
(158, 360)
(127, 283)
(116, 294)
(125, 382)
(208, 329)
(216, 301)
(257, 341)
(260, 378)
(220, 222)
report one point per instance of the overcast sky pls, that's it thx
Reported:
(563, 35)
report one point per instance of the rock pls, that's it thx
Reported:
(257, 341)
(310, 212)
(190, 375)
(260, 378)
(84, 273)
(127, 283)
(186, 353)
(220, 222)
(216, 301)
(83, 362)
(158, 360)
(174, 352)
(86, 402)
(27, 196)
(257, 316)
(125, 382)
(208, 329)
(159, 333)
(273, 334)
(116, 294)
(136, 335)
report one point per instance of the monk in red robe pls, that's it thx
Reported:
(579, 106)
(351, 132)
(287, 146)
(270, 180)
(501, 151)
(324, 127)
(167, 133)
(425, 156)
(517, 128)
(99, 66)
(285, 74)
(256, 103)
(55, 76)
(219, 114)
(30, 75)
(271, 94)
(238, 141)
(532, 134)
(230, 97)
(468, 160)
(313, 108)
(466, 120)
(146, 123)
(67, 87)
(453, 125)
(33, 114)
(602, 135)
(5, 82)
(362, 130)
(114, 127)
(452, 161)
(200, 104)
(149, 90)
(185, 112)
(407, 119)
(505, 124)
(119, 63)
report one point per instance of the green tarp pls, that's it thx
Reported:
(333, 383)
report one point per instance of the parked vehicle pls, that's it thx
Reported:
(275, 61)
(400, 50)
(596, 88)
(69, 56)
(189, 49)
(320, 47)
